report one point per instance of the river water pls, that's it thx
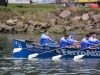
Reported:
(10, 66)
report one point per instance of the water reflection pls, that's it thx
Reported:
(47, 67)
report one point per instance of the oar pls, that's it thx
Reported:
(36, 54)
(54, 57)
(17, 50)
(75, 57)
(80, 56)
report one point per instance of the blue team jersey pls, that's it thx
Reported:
(65, 42)
(94, 40)
(85, 43)
(44, 39)
(71, 39)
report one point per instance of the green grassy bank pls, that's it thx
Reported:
(34, 12)
(36, 9)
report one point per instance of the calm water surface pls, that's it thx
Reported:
(9, 66)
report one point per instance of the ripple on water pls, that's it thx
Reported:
(64, 74)
(45, 67)
(31, 71)
(2, 72)
(59, 74)
(97, 70)
(83, 71)
(18, 73)
(42, 74)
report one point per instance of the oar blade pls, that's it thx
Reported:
(78, 57)
(17, 50)
(56, 58)
(33, 55)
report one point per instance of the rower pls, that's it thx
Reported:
(71, 37)
(85, 42)
(45, 38)
(93, 39)
(64, 43)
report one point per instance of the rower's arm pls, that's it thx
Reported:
(98, 41)
(51, 40)
(95, 42)
(71, 42)
(90, 44)
(68, 42)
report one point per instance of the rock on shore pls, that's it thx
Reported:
(61, 23)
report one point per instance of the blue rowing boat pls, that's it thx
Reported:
(24, 49)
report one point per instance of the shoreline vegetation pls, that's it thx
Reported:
(17, 18)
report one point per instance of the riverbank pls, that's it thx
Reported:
(36, 18)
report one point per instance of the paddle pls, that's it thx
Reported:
(17, 50)
(36, 54)
(54, 57)
(75, 57)
(80, 56)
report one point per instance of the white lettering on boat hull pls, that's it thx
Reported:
(86, 52)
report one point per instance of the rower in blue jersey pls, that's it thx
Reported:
(72, 35)
(72, 39)
(85, 42)
(64, 43)
(44, 39)
(93, 39)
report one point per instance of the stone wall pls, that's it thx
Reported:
(65, 21)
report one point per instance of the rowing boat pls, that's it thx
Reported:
(28, 49)
(23, 48)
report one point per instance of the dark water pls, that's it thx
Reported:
(9, 66)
